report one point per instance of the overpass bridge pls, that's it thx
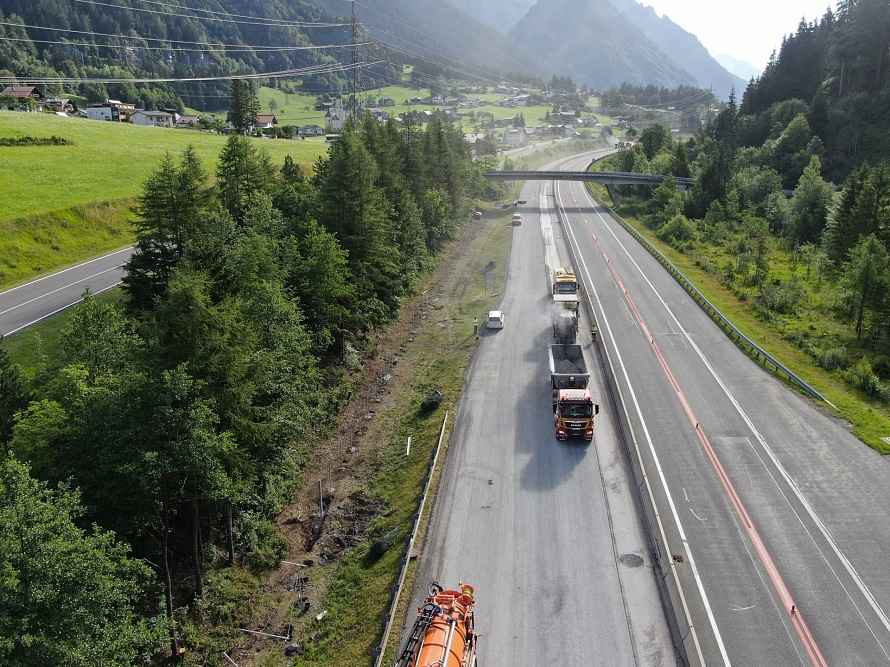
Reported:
(607, 178)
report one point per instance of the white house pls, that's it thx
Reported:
(515, 136)
(152, 118)
(310, 130)
(110, 110)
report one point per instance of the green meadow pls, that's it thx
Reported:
(68, 202)
(104, 161)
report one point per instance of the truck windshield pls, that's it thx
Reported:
(566, 288)
(577, 410)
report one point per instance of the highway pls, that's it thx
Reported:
(774, 515)
(781, 509)
(548, 532)
(31, 302)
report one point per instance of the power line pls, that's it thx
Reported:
(218, 16)
(304, 71)
(209, 47)
(145, 39)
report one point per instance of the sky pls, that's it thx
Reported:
(748, 30)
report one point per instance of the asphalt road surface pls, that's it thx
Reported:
(31, 302)
(779, 513)
(548, 532)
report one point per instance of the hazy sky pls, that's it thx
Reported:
(748, 30)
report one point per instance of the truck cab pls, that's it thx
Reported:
(573, 413)
(564, 281)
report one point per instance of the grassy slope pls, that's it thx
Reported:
(108, 161)
(66, 204)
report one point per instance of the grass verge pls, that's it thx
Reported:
(867, 419)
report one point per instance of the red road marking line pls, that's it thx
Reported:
(803, 630)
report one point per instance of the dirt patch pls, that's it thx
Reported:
(342, 466)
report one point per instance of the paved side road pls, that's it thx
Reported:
(26, 304)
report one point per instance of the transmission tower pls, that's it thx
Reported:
(357, 83)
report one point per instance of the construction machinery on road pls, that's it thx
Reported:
(564, 280)
(443, 635)
(573, 406)
(565, 313)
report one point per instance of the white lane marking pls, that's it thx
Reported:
(693, 567)
(57, 310)
(866, 593)
(70, 268)
(63, 287)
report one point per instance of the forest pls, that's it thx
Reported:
(174, 429)
(791, 209)
(206, 43)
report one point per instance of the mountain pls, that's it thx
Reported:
(433, 29)
(595, 44)
(682, 47)
(686, 52)
(740, 68)
(501, 15)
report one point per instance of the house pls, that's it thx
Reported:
(152, 118)
(437, 100)
(60, 104)
(113, 110)
(515, 137)
(182, 121)
(376, 113)
(416, 100)
(22, 93)
(265, 121)
(310, 131)
(387, 102)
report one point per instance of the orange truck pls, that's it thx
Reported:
(573, 406)
(443, 635)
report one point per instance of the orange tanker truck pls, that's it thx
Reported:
(443, 634)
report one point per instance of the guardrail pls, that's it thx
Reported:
(758, 353)
(380, 651)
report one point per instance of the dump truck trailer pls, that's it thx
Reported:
(573, 406)
(565, 309)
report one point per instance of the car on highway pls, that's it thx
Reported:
(494, 319)
(517, 220)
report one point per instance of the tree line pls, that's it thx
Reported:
(171, 431)
(134, 40)
(768, 213)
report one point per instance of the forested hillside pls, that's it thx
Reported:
(839, 70)
(184, 423)
(791, 209)
(201, 46)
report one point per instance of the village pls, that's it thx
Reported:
(508, 132)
